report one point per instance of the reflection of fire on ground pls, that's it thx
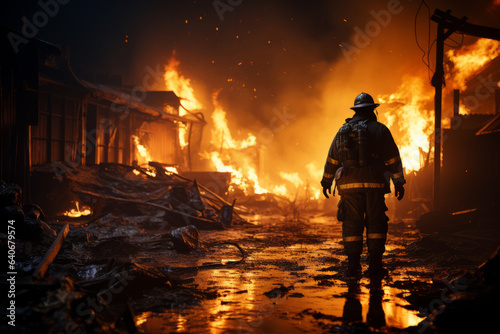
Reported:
(408, 112)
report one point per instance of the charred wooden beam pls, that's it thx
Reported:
(497, 101)
(461, 26)
(456, 102)
(51, 253)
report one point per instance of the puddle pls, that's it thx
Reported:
(299, 258)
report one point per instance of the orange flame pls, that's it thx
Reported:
(181, 86)
(171, 170)
(292, 177)
(78, 212)
(243, 177)
(221, 135)
(142, 155)
(406, 111)
(470, 59)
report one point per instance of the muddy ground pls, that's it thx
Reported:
(126, 275)
(291, 281)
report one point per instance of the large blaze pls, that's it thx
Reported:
(221, 135)
(408, 112)
(228, 155)
(142, 154)
(181, 86)
(470, 59)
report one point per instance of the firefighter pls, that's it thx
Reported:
(362, 159)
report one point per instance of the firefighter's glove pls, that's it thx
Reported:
(327, 188)
(399, 190)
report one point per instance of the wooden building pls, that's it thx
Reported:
(50, 117)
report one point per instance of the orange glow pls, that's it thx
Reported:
(181, 86)
(292, 177)
(141, 153)
(221, 135)
(171, 170)
(405, 110)
(470, 59)
(78, 212)
(243, 173)
(243, 177)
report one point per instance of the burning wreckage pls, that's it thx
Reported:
(108, 208)
(129, 217)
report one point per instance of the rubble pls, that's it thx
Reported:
(101, 258)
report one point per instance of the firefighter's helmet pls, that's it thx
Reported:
(364, 100)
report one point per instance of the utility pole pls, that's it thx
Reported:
(447, 25)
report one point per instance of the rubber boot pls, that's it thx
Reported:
(353, 265)
(376, 269)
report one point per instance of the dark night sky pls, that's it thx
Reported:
(276, 52)
(281, 38)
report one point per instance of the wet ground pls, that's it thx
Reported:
(290, 282)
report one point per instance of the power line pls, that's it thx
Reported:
(429, 45)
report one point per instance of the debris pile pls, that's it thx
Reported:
(139, 250)
(133, 191)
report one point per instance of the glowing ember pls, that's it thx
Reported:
(78, 212)
(171, 170)
(470, 59)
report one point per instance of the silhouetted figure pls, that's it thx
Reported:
(363, 158)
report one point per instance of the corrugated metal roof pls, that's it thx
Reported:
(492, 126)
(125, 99)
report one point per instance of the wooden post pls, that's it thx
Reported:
(438, 85)
(497, 101)
(51, 253)
(456, 102)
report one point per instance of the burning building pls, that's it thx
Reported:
(156, 184)
(53, 120)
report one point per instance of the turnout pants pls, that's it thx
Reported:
(359, 210)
